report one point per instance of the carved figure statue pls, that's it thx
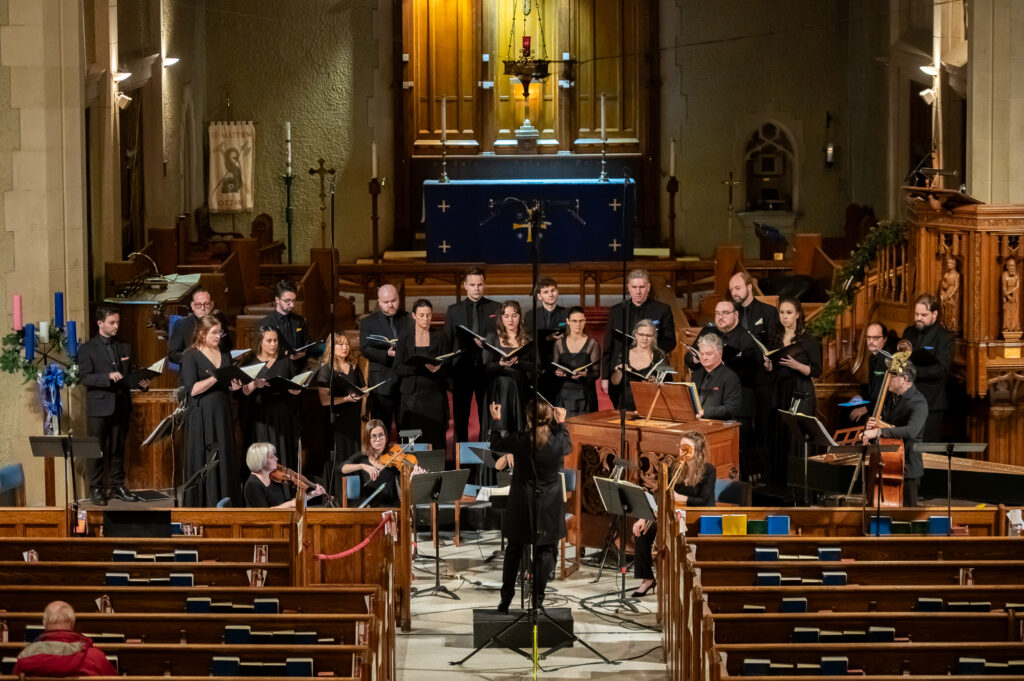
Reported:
(949, 295)
(1011, 297)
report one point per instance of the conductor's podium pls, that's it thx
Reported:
(650, 441)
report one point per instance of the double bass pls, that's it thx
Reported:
(887, 466)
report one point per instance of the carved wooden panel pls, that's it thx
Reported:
(155, 466)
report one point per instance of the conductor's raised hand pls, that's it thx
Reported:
(495, 411)
(560, 414)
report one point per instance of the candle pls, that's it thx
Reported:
(672, 159)
(288, 147)
(444, 120)
(72, 331)
(16, 311)
(58, 309)
(44, 332)
(602, 116)
(30, 342)
(373, 159)
(526, 46)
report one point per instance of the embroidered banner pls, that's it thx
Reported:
(232, 161)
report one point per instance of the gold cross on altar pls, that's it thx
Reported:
(323, 173)
(444, 246)
(528, 226)
(615, 245)
(615, 205)
(444, 206)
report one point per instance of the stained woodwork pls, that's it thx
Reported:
(159, 465)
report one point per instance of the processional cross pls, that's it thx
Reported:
(730, 183)
(323, 173)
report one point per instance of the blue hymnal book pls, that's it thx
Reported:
(835, 666)
(263, 638)
(32, 631)
(235, 634)
(223, 607)
(186, 556)
(796, 604)
(833, 578)
(275, 670)
(755, 667)
(769, 578)
(830, 553)
(766, 553)
(305, 638)
(182, 579)
(112, 659)
(938, 524)
(747, 607)
(117, 579)
(225, 666)
(266, 605)
(299, 666)
(250, 668)
(176, 528)
(284, 637)
(880, 525)
(970, 666)
(805, 635)
(778, 524)
(159, 581)
(830, 637)
(711, 524)
(196, 604)
(881, 634)
(1015, 667)
(925, 604)
(123, 556)
(7, 665)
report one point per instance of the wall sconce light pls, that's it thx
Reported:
(830, 145)
(122, 100)
(170, 61)
(931, 69)
(928, 95)
(121, 75)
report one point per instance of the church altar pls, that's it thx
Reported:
(453, 213)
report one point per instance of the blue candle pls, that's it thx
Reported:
(58, 309)
(30, 341)
(72, 331)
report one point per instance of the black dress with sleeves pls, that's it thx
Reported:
(211, 432)
(424, 394)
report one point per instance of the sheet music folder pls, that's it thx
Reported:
(675, 403)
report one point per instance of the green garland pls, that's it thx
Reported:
(885, 233)
(12, 360)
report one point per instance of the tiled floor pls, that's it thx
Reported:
(442, 629)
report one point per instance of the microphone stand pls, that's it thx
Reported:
(330, 414)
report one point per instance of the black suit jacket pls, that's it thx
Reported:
(741, 354)
(291, 335)
(907, 413)
(381, 365)
(624, 316)
(761, 319)
(411, 379)
(458, 313)
(181, 337)
(720, 393)
(931, 378)
(103, 398)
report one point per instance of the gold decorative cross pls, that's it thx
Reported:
(444, 206)
(323, 173)
(615, 245)
(730, 183)
(614, 205)
(444, 246)
(528, 226)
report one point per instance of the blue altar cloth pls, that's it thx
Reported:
(453, 213)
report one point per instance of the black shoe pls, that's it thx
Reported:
(123, 493)
(503, 607)
(641, 594)
(97, 497)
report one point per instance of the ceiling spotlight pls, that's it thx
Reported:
(121, 75)
(170, 61)
(122, 100)
(931, 69)
(928, 95)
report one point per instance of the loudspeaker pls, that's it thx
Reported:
(488, 622)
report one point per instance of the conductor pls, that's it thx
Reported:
(539, 476)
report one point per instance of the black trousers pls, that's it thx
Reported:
(643, 560)
(910, 488)
(510, 570)
(464, 387)
(111, 431)
(933, 425)
(384, 406)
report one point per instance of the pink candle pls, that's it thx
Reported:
(526, 46)
(16, 309)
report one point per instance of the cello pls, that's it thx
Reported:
(887, 467)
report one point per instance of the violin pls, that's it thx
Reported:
(285, 475)
(396, 456)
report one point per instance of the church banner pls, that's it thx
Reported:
(232, 164)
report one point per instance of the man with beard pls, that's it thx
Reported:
(904, 417)
(933, 359)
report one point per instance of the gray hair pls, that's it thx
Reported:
(639, 274)
(257, 454)
(712, 339)
(58, 615)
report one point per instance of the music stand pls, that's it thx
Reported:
(167, 427)
(948, 449)
(198, 476)
(53, 446)
(862, 450)
(622, 499)
(809, 430)
(443, 487)
(675, 403)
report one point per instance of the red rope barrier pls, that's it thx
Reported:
(358, 547)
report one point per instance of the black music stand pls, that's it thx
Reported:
(948, 449)
(811, 431)
(54, 446)
(622, 499)
(862, 451)
(443, 487)
(198, 477)
(167, 427)
(612, 535)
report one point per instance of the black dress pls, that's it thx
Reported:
(347, 416)
(791, 387)
(578, 395)
(636, 373)
(508, 386)
(272, 414)
(386, 478)
(424, 394)
(547, 462)
(258, 495)
(701, 494)
(210, 431)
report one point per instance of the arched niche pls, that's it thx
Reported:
(770, 193)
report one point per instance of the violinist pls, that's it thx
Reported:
(372, 466)
(260, 489)
(904, 416)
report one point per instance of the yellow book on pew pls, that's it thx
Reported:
(734, 524)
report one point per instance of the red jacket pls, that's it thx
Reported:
(63, 653)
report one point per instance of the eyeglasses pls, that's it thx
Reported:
(645, 335)
(724, 314)
(202, 306)
(377, 436)
(874, 337)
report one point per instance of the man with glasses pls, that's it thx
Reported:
(185, 328)
(622, 317)
(388, 322)
(290, 327)
(875, 338)
(717, 385)
(903, 417)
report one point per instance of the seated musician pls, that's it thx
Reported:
(642, 357)
(60, 650)
(717, 385)
(374, 473)
(259, 490)
(904, 416)
(695, 486)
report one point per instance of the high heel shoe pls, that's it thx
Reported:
(640, 594)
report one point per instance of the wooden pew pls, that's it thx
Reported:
(921, 547)
(102, 548)
(94, 572)
(915, 572)
(858, 598)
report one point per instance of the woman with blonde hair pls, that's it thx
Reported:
(343, 395)
(643, 357)
(694, 485)
(259, 490)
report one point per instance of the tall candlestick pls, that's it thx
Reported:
(16, 311)
(30, 341)
(72, 339)
(44, 332)
(602, 116)
(58, 309)
(672, 159)
(444, 120)
(288, 147)
(373, 159)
